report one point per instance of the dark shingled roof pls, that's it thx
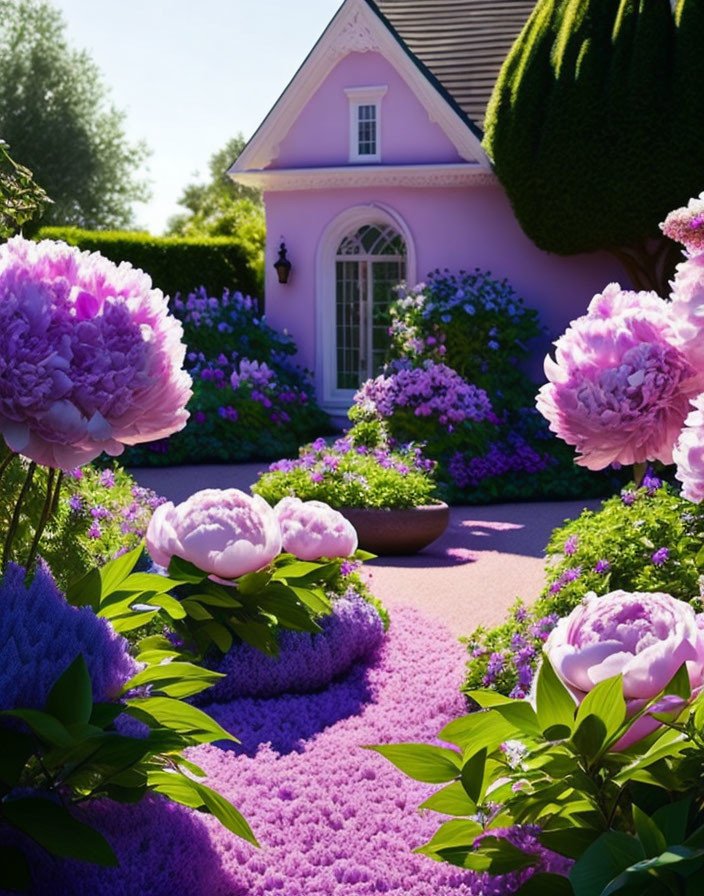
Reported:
(461, 43)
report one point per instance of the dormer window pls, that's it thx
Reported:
(365, 123)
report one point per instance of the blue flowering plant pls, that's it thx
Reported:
(472, 322)
(250, 400)
(645, 539)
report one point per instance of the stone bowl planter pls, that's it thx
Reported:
(407, 531)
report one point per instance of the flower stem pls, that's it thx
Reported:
(5, 463)
(57, 493)
(43, 519)
(12, 531)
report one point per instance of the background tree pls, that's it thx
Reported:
(55, 114)
(21, 197)
(221, 207)
(595, 127)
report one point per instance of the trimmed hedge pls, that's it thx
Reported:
(175, 264)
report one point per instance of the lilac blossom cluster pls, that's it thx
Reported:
(41, 635)
(224, 314)
(513, 456)
(432, 390)
(306, 662)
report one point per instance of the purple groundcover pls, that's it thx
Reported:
(305, 662)
(333, 819)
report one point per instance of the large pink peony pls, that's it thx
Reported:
(312, 530)
(90, 358)
(619, 386)
(687, 308)
(643, 636)
(224, 532)
(689, 453)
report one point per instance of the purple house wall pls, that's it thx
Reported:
(425, 189)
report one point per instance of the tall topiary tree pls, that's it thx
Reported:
(595, 126)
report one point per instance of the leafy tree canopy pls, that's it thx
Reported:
(222, 207)
(21, 197)
(593, 124)
(55, 114)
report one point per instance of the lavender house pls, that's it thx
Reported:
(372, 171)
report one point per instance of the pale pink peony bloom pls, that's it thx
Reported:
(311, 530)
(686, 225)
(687, 309)
(689, 454)
(90, 358)
(619, 386)
(223, 532)
(643, 636)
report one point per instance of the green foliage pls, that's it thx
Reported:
(626, 532)
(56, 760)
(596, 100)
(288, 594)
(633, 820)
(98, 513)
(56, 115)
(222, 207)
(174, 264)
(359, 470)
(21, 197)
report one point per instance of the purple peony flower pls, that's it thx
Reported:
(224, 532)
(41, 635)
(619, 386)
(645, 637)
(311, 530)
(90, 359)
(689, 453)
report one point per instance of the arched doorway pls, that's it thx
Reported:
(367, 254)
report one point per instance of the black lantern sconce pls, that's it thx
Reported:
(282, 264)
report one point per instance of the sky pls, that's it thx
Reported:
(190, 74)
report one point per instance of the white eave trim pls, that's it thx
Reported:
(355, 28)
(444, 175)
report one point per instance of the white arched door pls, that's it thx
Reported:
(364, 264)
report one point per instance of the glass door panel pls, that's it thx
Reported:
(348, 324)
(385, 275)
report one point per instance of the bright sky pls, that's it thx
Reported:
(190, 74)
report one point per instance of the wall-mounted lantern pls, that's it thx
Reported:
(282, 264)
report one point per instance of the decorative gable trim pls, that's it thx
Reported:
(355, 28)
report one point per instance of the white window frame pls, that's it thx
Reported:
(364, 96)
(333, 399)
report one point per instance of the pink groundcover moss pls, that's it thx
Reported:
(333, 819)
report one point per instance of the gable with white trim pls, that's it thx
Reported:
(357, 50)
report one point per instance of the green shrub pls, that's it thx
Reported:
(359, 470)
(175, 265)
(646, 539)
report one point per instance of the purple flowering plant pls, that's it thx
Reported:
(471, 321)
(250, 399)
(361, 469)
(81, 720)
(646, 539)
(97, 515)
